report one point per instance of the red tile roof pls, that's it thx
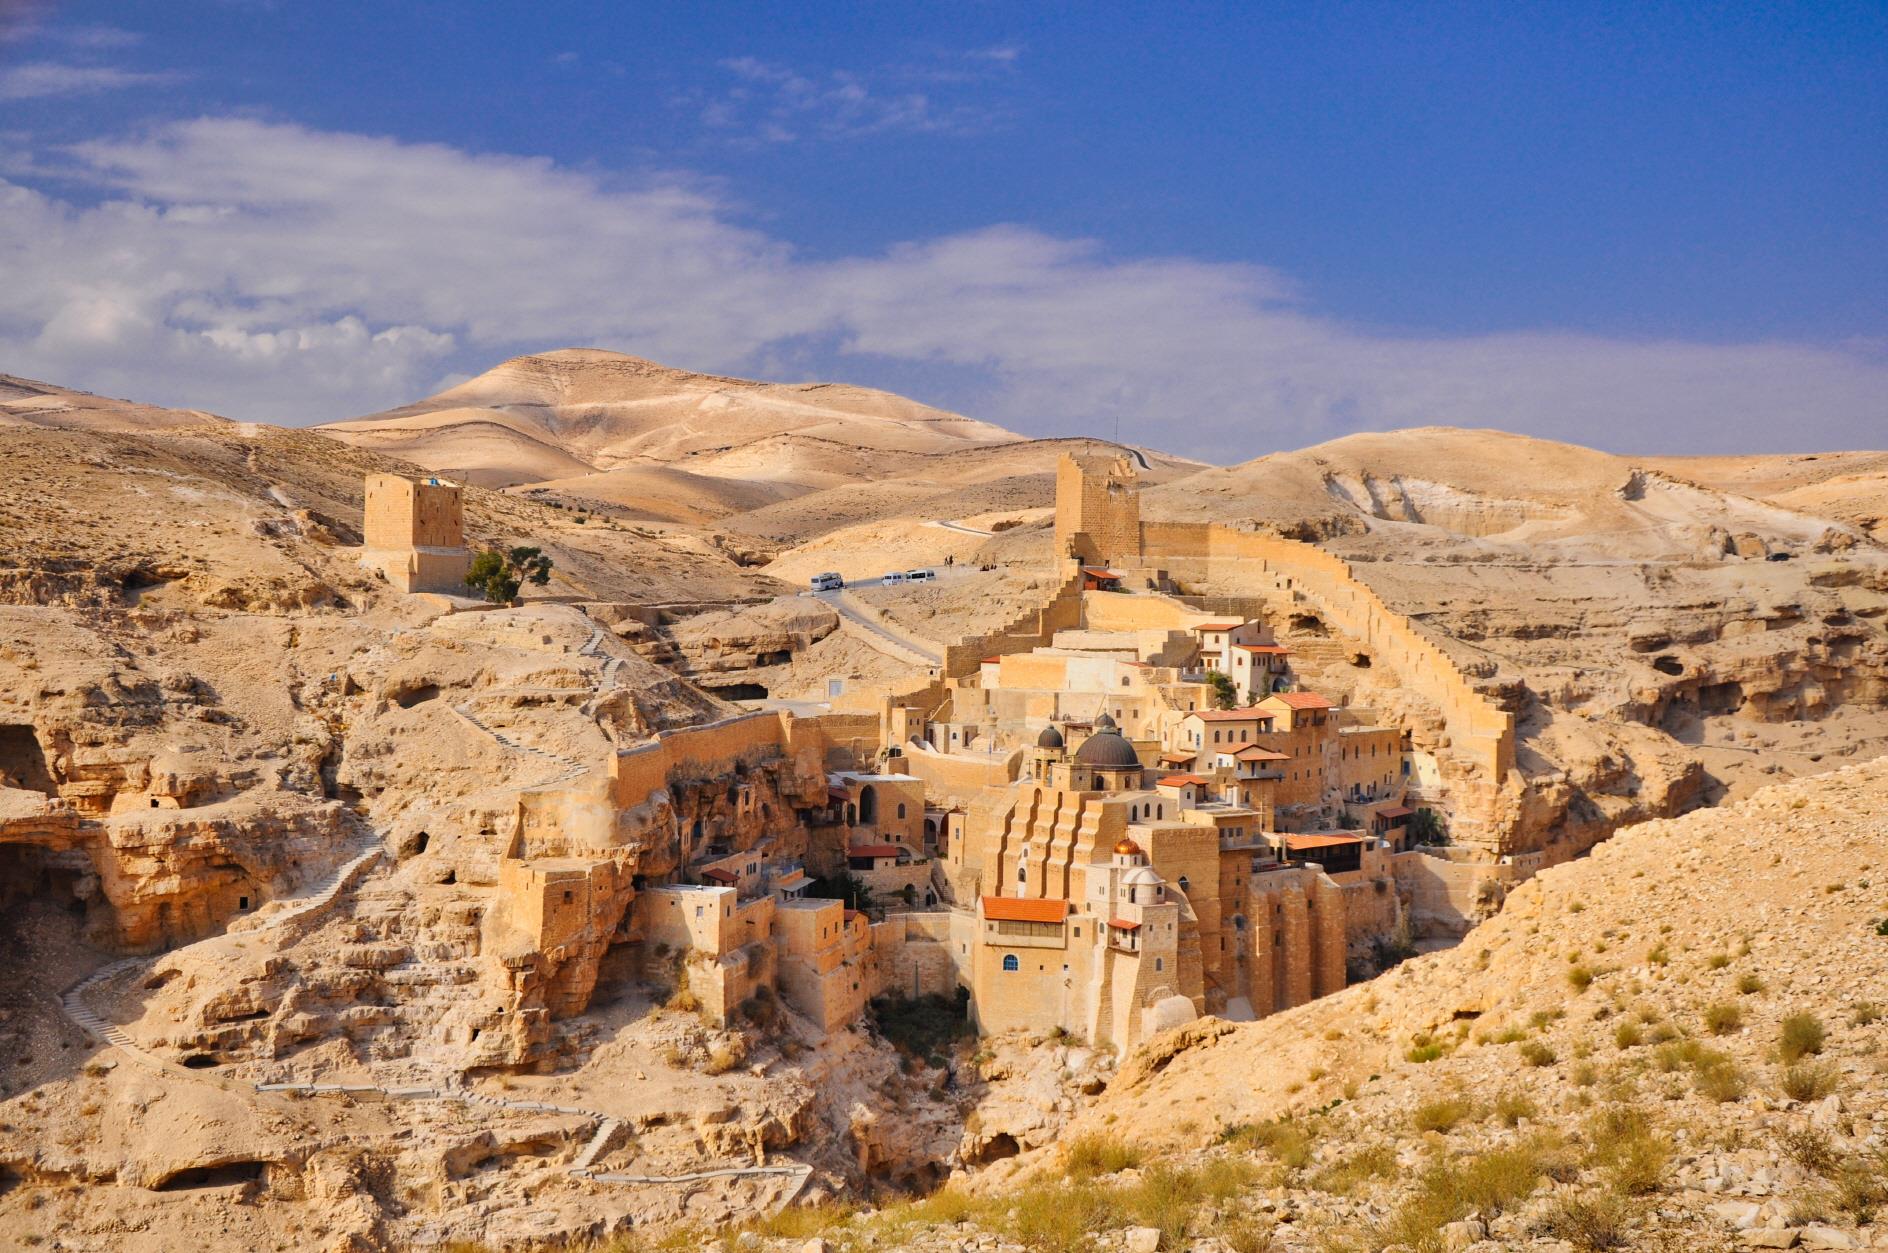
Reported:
(1176, 780)
(1122, 924)
(1016, 909)
(873, 850)
(719, 875)
(1217, 626)
(1230, 715)
(1395, 811)
(1302, 700)
(1174, 759)
(1252, 752)
(1278, 649)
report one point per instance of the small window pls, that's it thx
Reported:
(569, 897)
(698, 911)
(1010, 962)
(1159, 964)
(242, 902)
(901, 809)
(1022, 874)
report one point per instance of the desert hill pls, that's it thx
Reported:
(25, 402)
(1513, 490)
(556, 415)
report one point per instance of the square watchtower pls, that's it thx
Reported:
(414, 533)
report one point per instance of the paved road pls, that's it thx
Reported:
(958, 526)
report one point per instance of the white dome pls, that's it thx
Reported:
(1170, 1011)
(1142, 876)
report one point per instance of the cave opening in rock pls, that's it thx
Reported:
(1360, 660)
(223, 1175)
(1668, 665)
(200, 1061)
(23, 761)
(417, 695)
(1308, 623)
(740, 691)
(998, 1147)
(30, 872)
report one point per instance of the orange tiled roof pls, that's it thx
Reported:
(1122, 924)
(1175, 780)
(1230, 715)
(1217, 626)
(1016, 909)
(1296, 842)
(1252, 752)
(872, 850)
(1302, 700)
(1279, 649)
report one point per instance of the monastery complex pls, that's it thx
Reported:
(1130, 808)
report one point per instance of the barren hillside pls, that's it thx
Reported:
(557, 415)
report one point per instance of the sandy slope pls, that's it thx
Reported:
(24, 402)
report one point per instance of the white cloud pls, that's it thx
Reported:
(277, 272)
(773, 103)
(41, 79)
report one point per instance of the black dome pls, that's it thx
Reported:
(1105, 723)
(1050, 738)
(1107, 749)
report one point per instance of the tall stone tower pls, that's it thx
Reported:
(414, 533)
(1097, 507)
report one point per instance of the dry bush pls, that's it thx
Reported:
(1809, 1081)
(1811, 1150)
(1343, 1177)
(1091, 1155)
(1536, 1053)
(1589, 1224)
(1287, 1140)
(1723, 1019)
(1627, 1035)
(1512, 1106)
(1441, 1114)
(1801, 1035)
(728, 1052)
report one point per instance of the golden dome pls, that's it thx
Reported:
(1127, 848)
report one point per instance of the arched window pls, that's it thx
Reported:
(1022, 873)
(1010, 962)
(1183, 883)
(901, 809)
(868, 805)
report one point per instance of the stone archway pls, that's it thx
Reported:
(868, 805)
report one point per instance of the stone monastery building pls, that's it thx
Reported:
(1124, 810)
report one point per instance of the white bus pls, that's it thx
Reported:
(828, 582)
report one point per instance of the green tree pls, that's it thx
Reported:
(1426, 827)
(1225, 692)
(844, 886)
(498, 575)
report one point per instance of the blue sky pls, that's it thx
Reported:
(1652, 228)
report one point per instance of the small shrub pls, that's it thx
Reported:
(1343, 1177)
(1586, 1074)
(1659, 955)
(1441, 1114)
(1718, 961)
(1723, 1019)
(1535, 1053)
(1808, 1081)
(1802, 1035)
(1811, 1150)
(1718, 1078)
(1589, 1224)
(1627, 1035)
(1580, 977)
(1861, 1188)
(1627, 1149)
(1286, 1139)
(728, 1052)
(1867, 1013)
(1092, 1155)
(1749, 984)
(1512, 1106)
